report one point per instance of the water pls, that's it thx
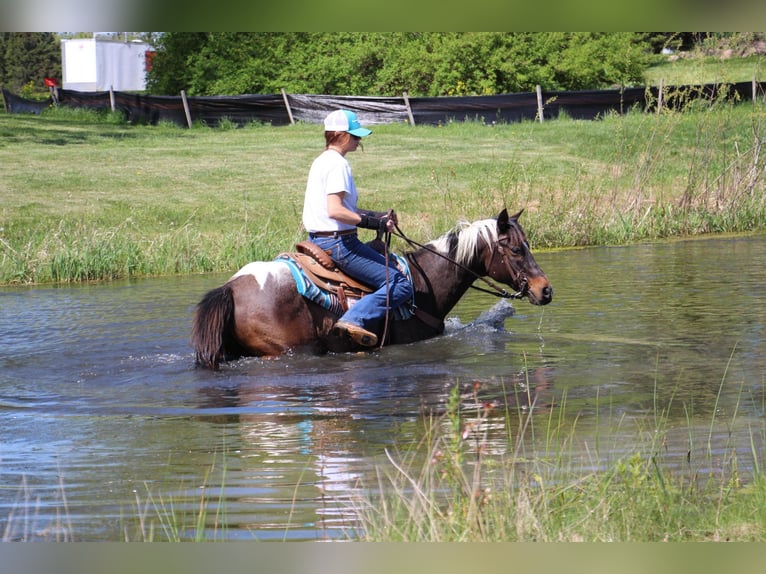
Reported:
(107, 430)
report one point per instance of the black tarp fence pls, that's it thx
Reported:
(283, 109)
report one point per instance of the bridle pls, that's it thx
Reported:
(519, 277)
(496, 290)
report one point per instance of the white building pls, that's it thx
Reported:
(90, 65)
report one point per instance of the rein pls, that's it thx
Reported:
(387, 245)
(497, 291)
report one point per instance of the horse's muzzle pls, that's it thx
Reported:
(540, 292)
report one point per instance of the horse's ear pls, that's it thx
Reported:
(504, 221)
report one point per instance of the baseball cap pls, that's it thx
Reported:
(345, 121)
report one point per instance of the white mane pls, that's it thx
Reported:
(468, 237)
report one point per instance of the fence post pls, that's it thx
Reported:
(659, 96)
(111, 97)
(409, 109)
(540, 103)
(186, 108)
(287, 105)
(755, 90)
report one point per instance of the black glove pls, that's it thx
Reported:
(373, 222)
(377, 220)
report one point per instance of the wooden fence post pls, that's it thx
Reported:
(186, 108)
(755, 90)
(287, 105)
(659, 96)
(409, 109)
(540, 103)
(111, 97)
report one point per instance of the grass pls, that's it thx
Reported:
(706, 70)
(720, 59)
(182, 516)
(86, 197)
(545, 487)
(25, 523)
(168, 518)
(520, 471)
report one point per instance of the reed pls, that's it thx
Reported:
(483, 471)
(29, 520)
(89, 198)
(180, 518)
(543, 487)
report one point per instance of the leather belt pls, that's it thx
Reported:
(335, 234)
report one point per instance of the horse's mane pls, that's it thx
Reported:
(462, 241)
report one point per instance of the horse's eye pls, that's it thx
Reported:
(516, 250)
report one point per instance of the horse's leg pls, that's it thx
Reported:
(270, 318)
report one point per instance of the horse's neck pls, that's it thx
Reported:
(439, 283)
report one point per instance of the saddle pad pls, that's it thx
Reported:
(308, 289)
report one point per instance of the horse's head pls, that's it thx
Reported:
(510, 261)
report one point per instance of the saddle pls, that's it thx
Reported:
(321, 269)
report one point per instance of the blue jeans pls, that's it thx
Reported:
(367, 266)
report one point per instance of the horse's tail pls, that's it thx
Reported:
(212, 327)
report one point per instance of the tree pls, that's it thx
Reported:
(171, 71)
(28, 58)
(591, 60)
(379, 64)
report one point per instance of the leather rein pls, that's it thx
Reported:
(495, 290)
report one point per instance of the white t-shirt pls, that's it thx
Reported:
(329, 173)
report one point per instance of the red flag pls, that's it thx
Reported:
(50, 82)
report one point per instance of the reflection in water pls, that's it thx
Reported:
(98, 394)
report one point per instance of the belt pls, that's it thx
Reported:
(335, 234)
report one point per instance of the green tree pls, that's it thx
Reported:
(171, 71)
(217, 63)
(379, 64)
(239, 63)
(26, 58)
(590, 60)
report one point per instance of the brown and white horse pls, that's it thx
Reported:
(259, 311)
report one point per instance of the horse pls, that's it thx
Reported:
(259, 311)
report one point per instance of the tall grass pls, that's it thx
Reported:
(521, 470)
(168, 518)
(26, 522)
(702, 69)
(544, 487)
(183, 515)
(87, 198)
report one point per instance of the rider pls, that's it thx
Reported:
(331, 217)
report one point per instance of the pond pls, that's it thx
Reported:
(109, 432)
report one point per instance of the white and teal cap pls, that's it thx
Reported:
(345, 121)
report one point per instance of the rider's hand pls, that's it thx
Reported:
(378, 220)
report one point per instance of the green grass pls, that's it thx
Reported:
(523, 471)
(554, 483)
(24, 523)
(705, 70)
(86, 197)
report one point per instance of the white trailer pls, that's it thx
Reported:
(91, 65)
